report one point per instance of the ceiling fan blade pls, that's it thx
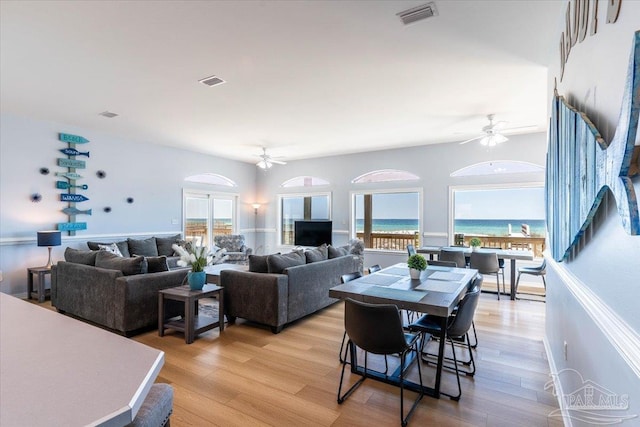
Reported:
(520, 127)
(277, 162)
(472, 139)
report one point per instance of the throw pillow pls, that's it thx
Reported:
(113, 248)
(278, 263)
(157, 264)
(122, 246)
(318, 254)
(335, 252)
(188, 246)
(164, 244)
(128, 266)
(258, 263)
(80, 257)
(144, 247)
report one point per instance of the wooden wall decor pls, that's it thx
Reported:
(582, 167)
(70, 185)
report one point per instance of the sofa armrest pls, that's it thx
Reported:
(259, 297)
(136, 298)
(84, 291)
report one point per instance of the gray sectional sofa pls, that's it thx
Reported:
(276, 292)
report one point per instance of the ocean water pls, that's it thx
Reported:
(390, 225)
(488, 227)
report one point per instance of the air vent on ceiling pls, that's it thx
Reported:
(108, 114)
(212, 81)
(418, 13)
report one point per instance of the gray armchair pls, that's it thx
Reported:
(237, 251)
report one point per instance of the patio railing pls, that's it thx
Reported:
(535, 244)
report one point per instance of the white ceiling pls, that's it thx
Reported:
(304, 78)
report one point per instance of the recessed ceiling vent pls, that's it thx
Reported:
(108, 114)
(418, 13)
(212, 81)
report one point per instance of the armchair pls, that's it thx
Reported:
(237, 251)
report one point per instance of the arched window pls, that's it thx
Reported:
(212, 179)
(304, 181)
(498, 167)
(385, 175)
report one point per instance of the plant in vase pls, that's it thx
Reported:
(197, 257)
(475, 243)
(417, 264)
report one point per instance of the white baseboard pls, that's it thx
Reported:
(566, 418)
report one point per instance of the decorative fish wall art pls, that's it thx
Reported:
(73, 152)
(582, 167)
(76, 211)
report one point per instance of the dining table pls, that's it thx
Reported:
(437, 292)
(510, 254)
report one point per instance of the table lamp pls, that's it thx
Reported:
(49, 239)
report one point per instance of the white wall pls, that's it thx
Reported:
(153, 175)
(432, 163)
(592, 299)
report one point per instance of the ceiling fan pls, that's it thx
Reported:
(266, 161)
(491, 133)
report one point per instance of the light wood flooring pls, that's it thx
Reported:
(248, 376)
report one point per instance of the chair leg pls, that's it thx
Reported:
(404, 420)
(475, 335)
(352, 350)
(455, 364)
(498, 284)
(343, 358)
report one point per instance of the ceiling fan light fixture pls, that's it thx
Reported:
(493, 140)
(263, 164)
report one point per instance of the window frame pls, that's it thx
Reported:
(480, 187)
(211, 196)
(352, 213)
(282, 196)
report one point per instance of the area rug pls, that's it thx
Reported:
(208, 307)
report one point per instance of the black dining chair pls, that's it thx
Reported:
(440, 263)
(377, 329)
(500, 261)
(374, 268)
(344, 279)
(540, 270)
(453, 255)
(457, 329)
(487, 263)
(411, 250)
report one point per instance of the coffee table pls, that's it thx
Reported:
(213, 271)
(191, 324)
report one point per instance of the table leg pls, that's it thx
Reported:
(29, 284)
(189, 321)
(161, 314)
(441, 345)
(221, 309)
(41, 286)
(513, 279)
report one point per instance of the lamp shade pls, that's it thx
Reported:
(49, 238)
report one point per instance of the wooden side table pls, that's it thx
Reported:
(40, 292)
(191, 324)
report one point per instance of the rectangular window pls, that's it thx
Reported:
(298, 207)
(387, 220)
(207, 215)
(506, 217)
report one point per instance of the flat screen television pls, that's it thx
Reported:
(312, 233)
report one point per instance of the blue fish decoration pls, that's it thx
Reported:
(76, 211)
(582, 167)
(74, 152)
(73, 198)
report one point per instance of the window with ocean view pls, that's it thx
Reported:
(308, 207)
(387, 220)
(208, 215)
(509, 218)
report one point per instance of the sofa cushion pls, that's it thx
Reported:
(128, 266)
(164, 244)
(123, 246)
(336, 252)
(144, 247)
(278, 263)
(157, 264)
(113, 248)
(258, 263)
(318, 254)
(80, 257)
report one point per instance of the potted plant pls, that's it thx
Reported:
(417, 264)
(475, 243)
(196, 257)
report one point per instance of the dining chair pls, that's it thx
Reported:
(500, 261)
(440, 263)
(377, 329)
(487, 263)
(457, 330)
(453, 255)
(344, 279)
(411, 250)
(374, 268)
(540, 270)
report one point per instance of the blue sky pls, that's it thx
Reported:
(512, 203)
